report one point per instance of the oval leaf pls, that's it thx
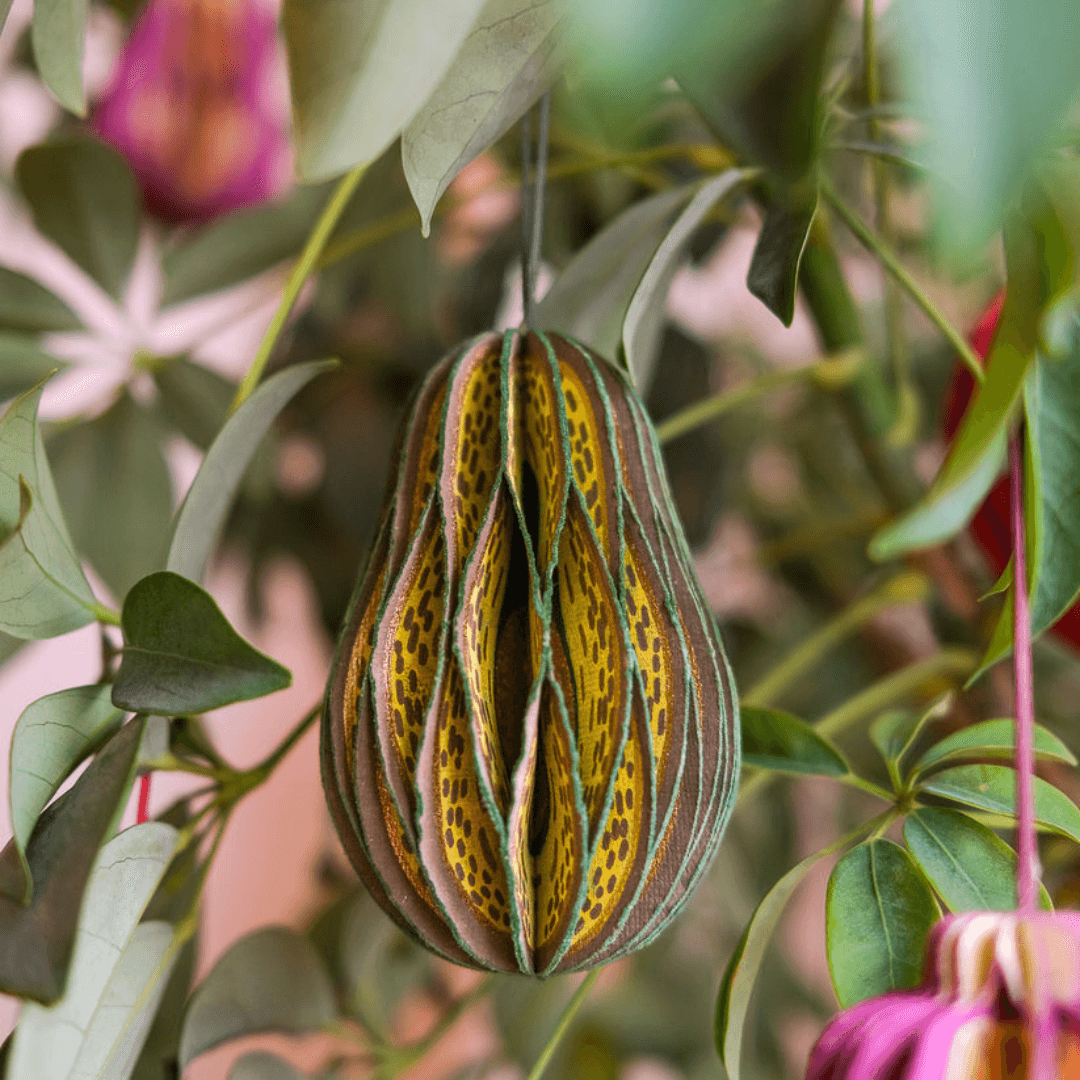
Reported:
(27, 306)
(360, 72)
(181, 656)
(772, 739)
(202, 516)
(51, 737)
(271, 980)
(737, 986)
(993, 738)
(878, 911)
(993, 787)
(85, 200)
(57, 34)
(773, 276)
(43, 591)
(50, 1041)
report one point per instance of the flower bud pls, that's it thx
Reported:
(530, 740)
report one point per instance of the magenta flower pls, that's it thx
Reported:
(1001, 999)
(192, 108)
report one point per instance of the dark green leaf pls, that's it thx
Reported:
(774, 269)
(240, 245)
(509, 59)
(971, 867)
(57, 33)
(114, 961)
(84, 199)
(202, 517)
(116, 491)
(23, 364)
(43, 591)
(993, 738)
(736, 988)
(27, 306)
(772, 739)
(36, 940)
(182, 656)
(271, 980)
(645, 314)
(52, 736)
(194, 399)
(993, 787)
(352, 94)
(878, 912)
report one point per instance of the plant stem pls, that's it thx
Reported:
(105, 615)
(884, 254)
(143, 812)
(565, 1021)
(1027, 870)
(300, 273)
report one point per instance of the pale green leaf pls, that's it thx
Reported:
(57, 34)
(994, 738)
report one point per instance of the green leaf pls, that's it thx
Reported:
(736, 988)
(240, 245)
(85, 200)
(993, 787)
(57, 34)
(27, 306)
(116, 491)
(194, 399)
(510, 58)
(972, 868)
(361, 72)
(74, 1037)
(44, 591)
(262, 1065)
(181, 655)
(773, 276)
(5, 7)
(878, 911)
(36, 940)
(23, 364)
(590, 298)
(51, 737)
(993, 738)
(645, 313)
(202, 516)
(772, 739)
(159, 1059)
(271, 980)
(986, 117)
(892, 733)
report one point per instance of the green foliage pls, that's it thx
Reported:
(271, 980)
(57, 33)
(878, 912)
(181, 655)
(993, 738)
(777, 740)
(23, 364)
(195, 400)
(84, 199)
(30, 308)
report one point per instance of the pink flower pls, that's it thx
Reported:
(191, 107)
(1001, 998)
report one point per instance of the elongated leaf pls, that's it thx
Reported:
(114, 485)
(509, 59)
(23, 364)
(737, 986)
(772, 739)
(57, 33)
(84, 199)
(25, 305)
(36, 940)
(773, 276)
(971, 867)
(52, 736)
(65, 1041)
(202, 517)
(237, 247)
(159, 1059)
(590, 298)
(195, 400)
(182, 656)
(878, 911)
(644, 319)
(271, 980)
(993, 787)
(892, 733)
(994, 738)
(361, 72)
(43, 591)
